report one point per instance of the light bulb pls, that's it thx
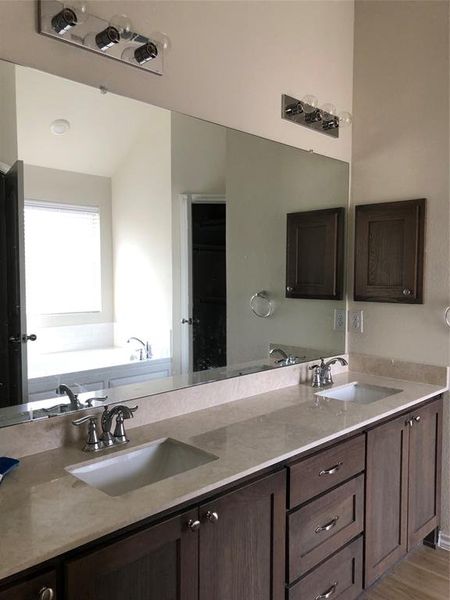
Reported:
(329, 109)
(162, 39)
(310, 103)
(141, 54)
(103, 40)
(345, 119)
(72, 14)
(79, 8)
(123, 25)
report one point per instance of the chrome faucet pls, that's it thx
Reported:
(322, 373)
(145, 352)
(75, 404)
(286, 359)
(95, 442)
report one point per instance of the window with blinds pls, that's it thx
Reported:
(62, 258)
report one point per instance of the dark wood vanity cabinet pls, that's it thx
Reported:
(389, 249)
(402, 486)
(242, 552)
(229, 549)
(326, 526)
(315, 254)
(159, 562)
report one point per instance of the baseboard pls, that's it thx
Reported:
(444, 541)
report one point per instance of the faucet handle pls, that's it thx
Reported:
(316, 375)
(93, 443)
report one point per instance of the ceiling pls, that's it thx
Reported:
(103, 127)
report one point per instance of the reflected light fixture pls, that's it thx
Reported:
(59, 126)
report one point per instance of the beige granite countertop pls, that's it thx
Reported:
(45, 511)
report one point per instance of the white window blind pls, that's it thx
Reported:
(62, 258)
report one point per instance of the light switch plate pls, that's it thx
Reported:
(339, 319)
(356, 321)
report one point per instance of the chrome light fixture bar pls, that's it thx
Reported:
(306, 112)
(70, 22)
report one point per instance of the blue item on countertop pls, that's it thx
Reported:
(6, 465)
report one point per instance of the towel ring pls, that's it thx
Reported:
(447, 316)
(262, 295)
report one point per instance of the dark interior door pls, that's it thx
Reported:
(209, 288)
(14, 388)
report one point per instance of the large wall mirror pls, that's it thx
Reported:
(144, 249)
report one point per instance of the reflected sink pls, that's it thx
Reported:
(361, 393)
(137, 468)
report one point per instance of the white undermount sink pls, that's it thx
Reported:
(360, 393)
(128, 471)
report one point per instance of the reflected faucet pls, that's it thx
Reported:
(74, 402)
(285, 360)
(145, 352)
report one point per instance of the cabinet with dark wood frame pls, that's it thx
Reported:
(389, 252)
(315, 254)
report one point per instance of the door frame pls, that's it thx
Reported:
(186, 201)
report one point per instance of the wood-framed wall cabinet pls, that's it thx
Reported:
(389, 251)
(315, 254)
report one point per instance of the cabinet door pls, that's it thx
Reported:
(389, 243)
(386, 497)
(242, 546)
(425, 447)
(159, 562)
(315, 254)
(39, 587)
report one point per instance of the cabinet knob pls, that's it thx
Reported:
(417, 419)
(212, 516)
(46, 593)
(409, 422)
(193, 524)
(407, 292)
(289, 289)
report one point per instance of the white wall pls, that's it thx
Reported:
(230, 61)
(198, 167)
(142, 239)
(264, 182)
(401, 151)
(8, 121)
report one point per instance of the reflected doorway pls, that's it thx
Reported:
(204, 321)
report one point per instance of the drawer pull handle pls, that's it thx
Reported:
(331, 470)
(330, 592)
(327, 526)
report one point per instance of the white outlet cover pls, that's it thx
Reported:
(356, 321)
(339, 319)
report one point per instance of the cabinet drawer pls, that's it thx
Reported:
(39, 586)
(324, 525)
(338, 577)
(324, 470)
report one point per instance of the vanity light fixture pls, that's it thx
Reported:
(117, 38)
(306, 112)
